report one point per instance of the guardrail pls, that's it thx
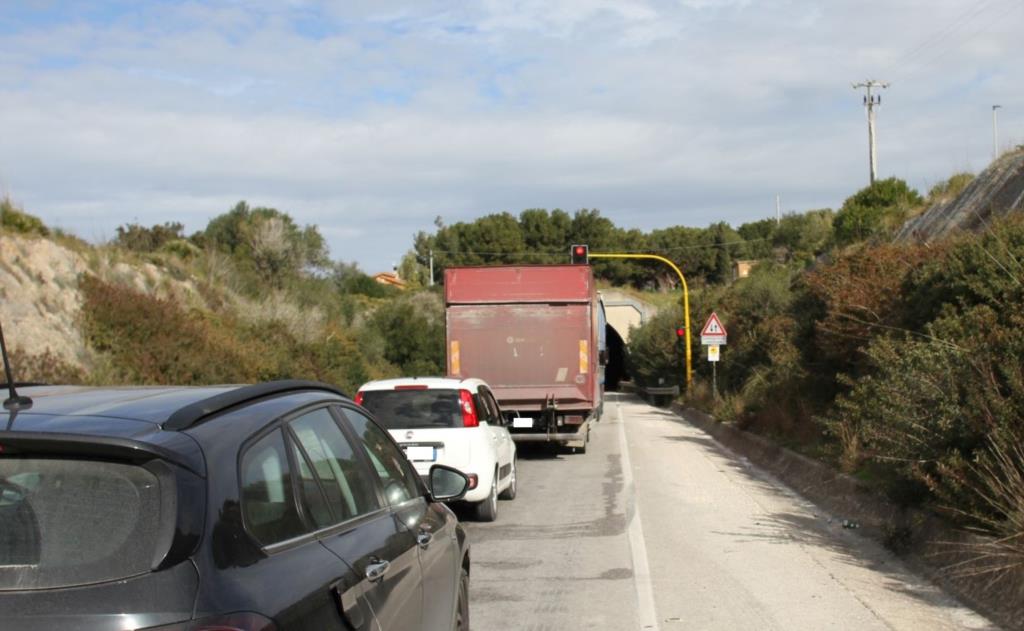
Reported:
(659, 395)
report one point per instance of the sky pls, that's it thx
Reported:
(370, 118)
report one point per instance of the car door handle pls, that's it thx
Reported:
(424, 538)
(376, 571)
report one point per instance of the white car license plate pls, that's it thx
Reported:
(522, 422)
(420, 453)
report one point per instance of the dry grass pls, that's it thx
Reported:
(999, 484)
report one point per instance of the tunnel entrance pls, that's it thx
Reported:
(615, 370)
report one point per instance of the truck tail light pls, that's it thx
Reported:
(245, 621)
(359, 398)
(469, 418)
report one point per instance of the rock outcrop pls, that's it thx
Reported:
(997, 191)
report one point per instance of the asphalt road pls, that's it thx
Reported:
(658, 527)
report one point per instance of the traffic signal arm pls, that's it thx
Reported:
(686, 298)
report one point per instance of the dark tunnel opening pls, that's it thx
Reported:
(615, 369)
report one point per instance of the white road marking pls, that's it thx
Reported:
(637, 547)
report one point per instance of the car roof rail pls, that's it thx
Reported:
(193, 413)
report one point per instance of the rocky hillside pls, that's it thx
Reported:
(41, 295)
(997, 191)
(253, 297)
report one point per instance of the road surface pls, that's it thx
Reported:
(658, 527)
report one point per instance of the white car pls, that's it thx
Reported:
(455, 422)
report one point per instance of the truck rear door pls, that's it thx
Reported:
(526, 352)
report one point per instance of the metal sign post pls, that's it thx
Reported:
(714, 336)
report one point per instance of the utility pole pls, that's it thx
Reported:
(871, 101)
(995, 132)
(431, 252)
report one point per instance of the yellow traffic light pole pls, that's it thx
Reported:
(686, 298)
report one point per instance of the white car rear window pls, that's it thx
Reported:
(414, 409)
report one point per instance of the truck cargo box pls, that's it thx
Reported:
(532, 332)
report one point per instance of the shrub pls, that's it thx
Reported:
(412, 332)
(18, 221)
(656, 354)
(930, 409)
(153, 341)
(874, 210)
(142, 239)
(805, 235)
(861, 296)
(45, 367)
(976, 270)
(349, 279)
(149, 340)
(950, 188)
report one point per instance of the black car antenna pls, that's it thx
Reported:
(15, 402)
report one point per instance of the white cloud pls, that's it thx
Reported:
(656, 112)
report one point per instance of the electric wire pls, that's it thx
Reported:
(937, 37)
(953, 40)
(706, 246)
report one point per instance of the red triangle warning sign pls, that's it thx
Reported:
(713, 327)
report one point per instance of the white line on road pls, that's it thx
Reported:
(637, 548)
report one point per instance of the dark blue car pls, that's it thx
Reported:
(276, 506)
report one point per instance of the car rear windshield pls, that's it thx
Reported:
(412, 409)
(72, 522)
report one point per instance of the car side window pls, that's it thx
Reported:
(493, 416)
(268, 504)
(328, 462)
(393, 469)
(483, 413)
(496, 407)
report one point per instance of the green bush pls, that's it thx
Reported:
(154, 341)
(656, 354)
(948, 189)
(977, 270)
(874, 210)
(18, 221)
(929, 409)
(411, 330)
(142, 239)
(148, 340)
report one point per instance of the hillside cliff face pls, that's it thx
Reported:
(40, 296)
(39, 290)
(997, 191)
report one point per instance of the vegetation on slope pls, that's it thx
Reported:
(899, 363)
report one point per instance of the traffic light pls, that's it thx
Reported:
(579, 254)
(681, 338)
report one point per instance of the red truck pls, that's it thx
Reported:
(535, 334)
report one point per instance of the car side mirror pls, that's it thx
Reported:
(447, 484)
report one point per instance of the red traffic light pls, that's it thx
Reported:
(579, 254)
(680, 331)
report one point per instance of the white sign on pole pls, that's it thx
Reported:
(713, 352)
(713, 333)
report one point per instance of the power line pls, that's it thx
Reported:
(535, 253)
(943, 33)
(952, 44)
